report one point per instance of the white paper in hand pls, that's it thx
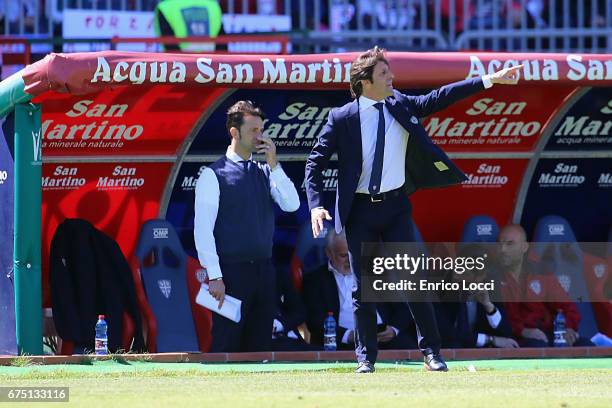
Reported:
(230, 308)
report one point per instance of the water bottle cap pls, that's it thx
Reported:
(101, 317)
(330, 313)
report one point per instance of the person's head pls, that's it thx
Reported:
(371, 75)
(512, 246)
(245, 126)
(337, 251)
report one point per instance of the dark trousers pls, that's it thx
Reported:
(386, 221)
(254, 283)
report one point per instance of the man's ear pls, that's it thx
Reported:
(525, 247)
(234, 132)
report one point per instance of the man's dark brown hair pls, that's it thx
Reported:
(236, 113)
(363, 68)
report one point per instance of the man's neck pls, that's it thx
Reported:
(515, 271)
(373, 97)
(244, 155)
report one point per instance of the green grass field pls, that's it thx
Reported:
(512, 383)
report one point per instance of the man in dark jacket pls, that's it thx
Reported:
(329, 289)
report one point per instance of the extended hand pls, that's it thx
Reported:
(217, 289)
(508, 76)
(268, 148)
(317, 216)
(571, 336)
(504, 342)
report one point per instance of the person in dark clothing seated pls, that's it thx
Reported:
(289, 318)
(474, 320)
(329, 289)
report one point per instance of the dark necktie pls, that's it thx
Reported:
(379, 152)
(245, 165)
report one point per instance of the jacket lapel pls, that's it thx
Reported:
(354, 127)
(401, 114)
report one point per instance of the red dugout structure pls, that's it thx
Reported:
(124, 136)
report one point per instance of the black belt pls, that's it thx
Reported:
(380, 197)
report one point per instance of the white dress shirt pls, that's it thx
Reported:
(346, 318)
(396, 141)
(494, 321)
(207, 206)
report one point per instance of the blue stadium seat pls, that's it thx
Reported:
(554, 243)
(162, 263)
(480, 228)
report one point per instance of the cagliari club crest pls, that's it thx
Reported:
(599, 270)
(165, 286)
(566, 282)
(536, 287)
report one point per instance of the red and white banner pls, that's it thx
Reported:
(496, 120)
(82, 73)
(128, 121)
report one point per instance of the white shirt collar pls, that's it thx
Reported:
(365, 102)
(337, 273)
(233, 156)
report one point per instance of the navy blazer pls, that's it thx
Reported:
(426, 164)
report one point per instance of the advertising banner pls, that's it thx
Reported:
(587, 125)
(579, 190)
(294, 119)
(126, 121)
(81, 73)
(496, 121)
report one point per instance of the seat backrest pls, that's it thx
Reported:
(480, 228)
(554, 244)
(162, 263)
(202, 317)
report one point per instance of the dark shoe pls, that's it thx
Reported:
(435, 362)
(365, 367)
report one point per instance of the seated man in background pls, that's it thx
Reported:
(532, 297)
(329, 289)
(473, 321)
(289, 318)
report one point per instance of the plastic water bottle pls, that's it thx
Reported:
(560, 330)
(329, 332)
(101, 336)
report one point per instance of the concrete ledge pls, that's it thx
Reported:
(383, 355)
